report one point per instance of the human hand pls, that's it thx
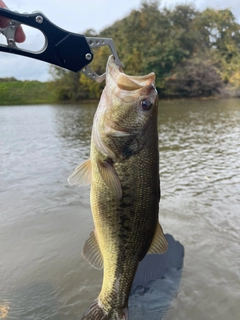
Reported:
(19, 35)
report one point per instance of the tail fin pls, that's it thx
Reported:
(95, 312)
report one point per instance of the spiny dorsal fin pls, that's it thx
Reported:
(82, 175)
(91, 252)
(110, 177)
(159, 243)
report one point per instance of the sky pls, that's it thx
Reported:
(78, 16)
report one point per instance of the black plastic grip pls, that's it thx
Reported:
(63, 48)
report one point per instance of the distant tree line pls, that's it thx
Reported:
(8, 79)
(16, 92)
(192, 53)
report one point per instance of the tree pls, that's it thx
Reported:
(195, 78)
(191, 52)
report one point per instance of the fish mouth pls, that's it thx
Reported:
(127, 88)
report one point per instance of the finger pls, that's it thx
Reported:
(20, 35)
(3, 21)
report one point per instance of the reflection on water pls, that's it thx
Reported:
(74, 125)
(44, 222)
(36, 298)
(4, 307)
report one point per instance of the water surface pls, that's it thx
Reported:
(44, 222)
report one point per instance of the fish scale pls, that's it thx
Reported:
(125, 219)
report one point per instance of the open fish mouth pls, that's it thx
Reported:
(127, 88)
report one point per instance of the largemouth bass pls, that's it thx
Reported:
(123, 170)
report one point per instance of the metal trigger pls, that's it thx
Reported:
(9, 33)
(95, 42)
(87, 71)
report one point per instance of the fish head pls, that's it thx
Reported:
(126, 114)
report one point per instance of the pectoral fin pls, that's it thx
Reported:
(91, 252)
(159, 243)
(82, 175)
(110, 177)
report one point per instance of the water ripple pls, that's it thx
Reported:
(44, 222)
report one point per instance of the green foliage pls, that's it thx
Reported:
(194, 78)
(8, 79)
(98, 64)
(66, 85)
(13, 91)
(192, 53)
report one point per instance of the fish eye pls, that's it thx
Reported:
(146, 104)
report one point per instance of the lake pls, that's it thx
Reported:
(44, 222)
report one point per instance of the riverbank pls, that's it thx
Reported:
(15, 92)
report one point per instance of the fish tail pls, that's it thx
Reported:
(96, 312)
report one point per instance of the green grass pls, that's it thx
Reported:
(25, 92)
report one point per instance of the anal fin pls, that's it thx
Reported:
(91, 252)
(159, 243)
